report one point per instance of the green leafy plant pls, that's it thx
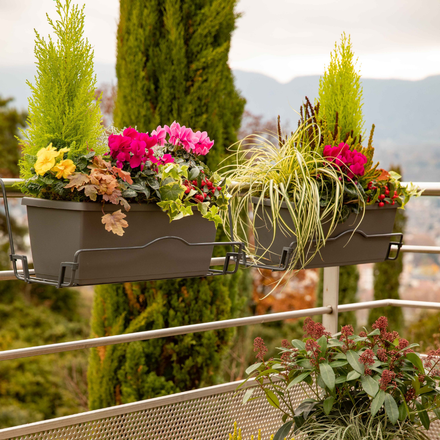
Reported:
(321, 173)
(140, 168)
(374, 378)
(290, 174)
(62, 110)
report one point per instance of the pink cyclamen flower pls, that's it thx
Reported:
(203, 143)
(181, 136)
(160, 134)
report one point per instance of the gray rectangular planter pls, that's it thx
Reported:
(58, 229)
(346, 250)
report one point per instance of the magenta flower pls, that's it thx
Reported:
(130, 132)
(351, 162)
(150, 141)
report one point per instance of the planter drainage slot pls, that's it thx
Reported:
(81, 269)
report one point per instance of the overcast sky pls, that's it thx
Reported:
(280, 38)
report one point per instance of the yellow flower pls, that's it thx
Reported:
(48, 149)
(64, 169)
(45, 160)
(62, 151)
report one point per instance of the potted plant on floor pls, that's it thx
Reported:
(366, 385)
(82, 177)
(317, 197)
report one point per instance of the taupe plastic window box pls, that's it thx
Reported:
(58, 229)
(369, 244)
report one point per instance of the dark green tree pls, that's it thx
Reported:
(386, 282)
(171, 65)
(10, 120)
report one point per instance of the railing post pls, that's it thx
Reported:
(330, 298)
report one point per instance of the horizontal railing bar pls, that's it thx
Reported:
(429, 188)
(420, 249)
(160, 333)
(195, 328)
(8, 275)
(388, 302)
(90, 416)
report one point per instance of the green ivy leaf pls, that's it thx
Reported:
(129, 193)
(172, 191)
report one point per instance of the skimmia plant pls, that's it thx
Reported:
(373, 379)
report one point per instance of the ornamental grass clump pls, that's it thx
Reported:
(372, 381)
(67, 156)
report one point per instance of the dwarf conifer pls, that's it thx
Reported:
(171, 65)
(62, 108)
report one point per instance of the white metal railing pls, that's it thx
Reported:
(329, 311)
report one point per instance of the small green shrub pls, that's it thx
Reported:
(62, 110)
(340, 92)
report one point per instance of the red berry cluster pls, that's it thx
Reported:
(205, 190)
(386, 198)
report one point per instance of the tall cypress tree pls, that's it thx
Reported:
(386, 282)
(171, 65)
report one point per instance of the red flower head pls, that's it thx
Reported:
(260, 348)
(314, 329)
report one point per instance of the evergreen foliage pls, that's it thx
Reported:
(42, 387)
(140, 370)
(10, 120)
(340, 92)
(386, 281)
(171, 65)
(62, 110)
(348, 285)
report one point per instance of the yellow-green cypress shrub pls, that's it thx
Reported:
(62, 109)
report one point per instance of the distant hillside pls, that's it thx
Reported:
(406, 113)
